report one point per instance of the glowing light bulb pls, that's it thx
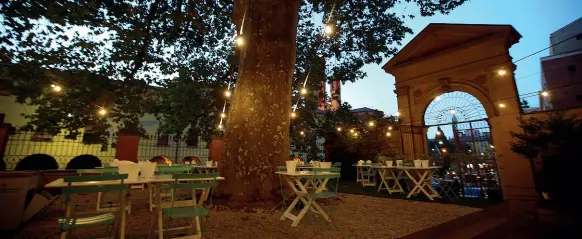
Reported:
(437, 98)
(53, 86)
(352, 131)
(453, 111)
(303, 91)
(482, 154)
(69, 115)
(545, 93)
(444, 150)
(397, 114)
(57, 88)
(222, 115)
(501, 72)
(302, 133)
(438, 133)
(339, 129)
(220, 126)
(390, 128)
(470, 150)
(491, 146)
(440, 142)
(102, 112)
(388, 134)
(240, 41)
(371, 123)
(328, 30)
(355, 134)
(227, 93)
(293, 114)
(501, 105)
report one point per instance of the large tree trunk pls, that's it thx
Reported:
(257, 130)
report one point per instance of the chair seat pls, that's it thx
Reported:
(323, 195)
(67, 223)
(185, 212)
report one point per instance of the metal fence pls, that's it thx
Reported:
(22, 144)
(172, 148)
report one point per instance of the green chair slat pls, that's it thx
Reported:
(108, 170)
(66, 223)
(323, 173)
(185, 212)
(195, 175)
(192, 185)
(337, 164)
(72, 179)
(83, 190)
(323, 195)
(173, 170)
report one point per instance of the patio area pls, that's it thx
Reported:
(355, 216)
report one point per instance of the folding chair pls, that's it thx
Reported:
(283, 188)
(187, 206)
(325, 190)
(165, 170)
(103, 171)
(73, 221)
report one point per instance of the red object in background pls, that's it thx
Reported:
(127, 147)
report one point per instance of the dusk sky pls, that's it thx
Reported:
(533, 19)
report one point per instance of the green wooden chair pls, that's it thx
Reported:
(337, 165)
(165, 170)
(330, 177)
(73, 221)
(184, 203)
(284, 188)
(100, 171)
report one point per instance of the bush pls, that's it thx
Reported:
(37, 162)
(2, 165)
(85, 161)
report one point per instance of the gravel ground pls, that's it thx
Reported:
(354, 216)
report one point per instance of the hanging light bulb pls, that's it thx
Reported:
(491, 146)
(57, 88)
(501, 72)
(501, 105)
(355, 134)
(438, 133)
(69, 115)
(444, 150)
(53, 86)
(240, 41)
(437, 98)
(302, 133)
(227, 93)
(545, 93)
(388, 134)
(390, 128)
(102, 112)
(222, 115)
(397, 113)
(220, 126)
(339, 129)
(293, 114)
(371, 123)
(440, 142)
(328, 30)
(303, 91)
(352, 131)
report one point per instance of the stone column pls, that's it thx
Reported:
(127, 147)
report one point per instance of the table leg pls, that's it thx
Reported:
(159, 210)
(416, 184)
(382, 173)
(397, 187)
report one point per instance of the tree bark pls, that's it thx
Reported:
(257, 130)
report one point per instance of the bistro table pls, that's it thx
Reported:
(301, 179)
(364, 172)
(422, 179)
(387, 174)
(157, 180)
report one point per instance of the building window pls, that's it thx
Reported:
(163, 140)
(571, 68)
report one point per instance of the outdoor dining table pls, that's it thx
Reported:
(299, 182)
(361, 169)
(156, 180)
(388, 174)
(422, 179)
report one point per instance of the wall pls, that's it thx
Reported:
(562, 77)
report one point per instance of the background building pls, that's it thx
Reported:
(562, 70)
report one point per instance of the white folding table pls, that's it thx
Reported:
(422, 179)
(387, 174)
(295, 181)
(363, 174)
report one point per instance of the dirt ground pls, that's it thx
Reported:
(354, 216)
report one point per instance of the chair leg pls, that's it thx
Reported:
(98, 207)
(150, 196)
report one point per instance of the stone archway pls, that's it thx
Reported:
(458, 57)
